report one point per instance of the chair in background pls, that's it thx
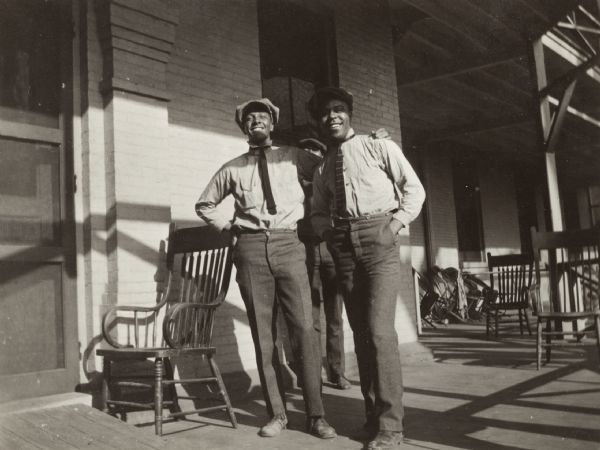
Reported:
(179, 325)
(567, 265)
(510, 279)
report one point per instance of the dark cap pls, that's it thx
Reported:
(323, 95)
(261, 104)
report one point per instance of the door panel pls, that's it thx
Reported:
(31, 324)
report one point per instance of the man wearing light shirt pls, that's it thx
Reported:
(270, 259)
(364, 192)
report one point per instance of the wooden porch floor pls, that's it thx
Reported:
(74, 427)
(476, 394)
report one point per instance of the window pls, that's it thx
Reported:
(29, 73)
(468, 211)
(29, 193)
(525, 185)
(297, 53)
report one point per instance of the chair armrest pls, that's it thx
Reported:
(177, 309)
(181, 310)
(130, 308)
(534, 298)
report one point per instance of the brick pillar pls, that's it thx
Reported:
(137, 39)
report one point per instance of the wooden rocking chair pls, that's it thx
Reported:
(510, 279)
(199, 268)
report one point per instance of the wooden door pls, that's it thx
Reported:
(38, 317)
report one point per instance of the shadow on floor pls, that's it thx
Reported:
(501, 398)
(477, 394)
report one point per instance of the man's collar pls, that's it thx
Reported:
(350, 136)
(254, 149)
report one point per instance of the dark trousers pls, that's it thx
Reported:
(323, 284)
(367, 262)
(271, 273)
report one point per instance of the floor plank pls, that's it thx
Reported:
(36, 434)
(72, 427)
(114, 431)
(10, 439)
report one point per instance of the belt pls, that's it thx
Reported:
(341, 221)
(268, 231)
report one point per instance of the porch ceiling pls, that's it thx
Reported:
(464, 76)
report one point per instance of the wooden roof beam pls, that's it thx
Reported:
(559, 117)
(452, 20)
(572, 75)
(402, 20)
(550, 12)
(572, 26)
(461, 67)
(474, 128)
(577, 113)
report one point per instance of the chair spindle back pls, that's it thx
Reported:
(199, 264)
(510, 276)
(572, 262)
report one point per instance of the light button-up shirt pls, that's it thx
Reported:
(287, 167)
(377, 178)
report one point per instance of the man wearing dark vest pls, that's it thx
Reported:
(265, 183)
(364, 192)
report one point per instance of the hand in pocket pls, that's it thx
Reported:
(385, 236)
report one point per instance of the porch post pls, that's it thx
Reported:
(545, 129)
(137, 38)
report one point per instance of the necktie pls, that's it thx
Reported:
(340, 190)
(263, 173)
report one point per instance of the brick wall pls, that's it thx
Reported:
(214, 66)
(366, 64)
(151, 157)
(124, 203)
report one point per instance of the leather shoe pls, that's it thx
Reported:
(369, 430)
(342, 383)
(274, 427)
(365, 433)
(317, 426)
(387, 440)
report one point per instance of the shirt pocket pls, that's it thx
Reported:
(287, 189)
(370, 183)
(245, 195)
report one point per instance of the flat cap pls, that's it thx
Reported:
(261, 104)
(324, 94)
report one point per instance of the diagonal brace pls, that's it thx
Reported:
(559, 117)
